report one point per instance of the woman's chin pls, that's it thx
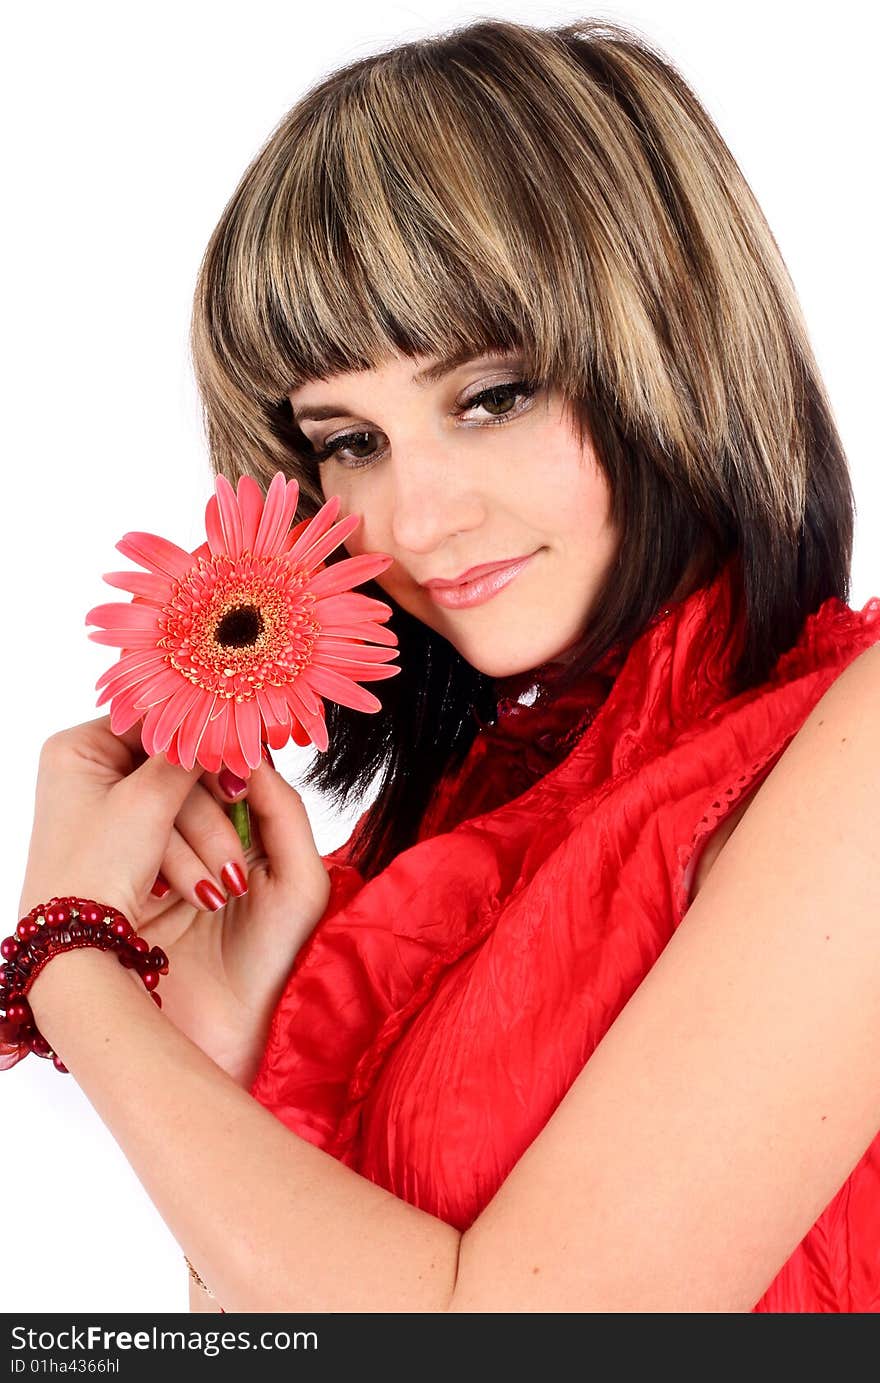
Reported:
(511, 667)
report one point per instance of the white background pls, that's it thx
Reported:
(126, 128)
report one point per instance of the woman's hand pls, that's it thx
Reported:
(108, 819)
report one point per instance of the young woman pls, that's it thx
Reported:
(584, 1017)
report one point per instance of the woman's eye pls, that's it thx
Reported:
(340, 444)
(502, 401)
(493, 398)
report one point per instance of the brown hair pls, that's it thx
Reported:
(561, 191)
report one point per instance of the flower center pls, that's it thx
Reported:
(240, 627)
(235, 625)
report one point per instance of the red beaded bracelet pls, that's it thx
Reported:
(63, 924)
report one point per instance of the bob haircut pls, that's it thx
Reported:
(562, 192)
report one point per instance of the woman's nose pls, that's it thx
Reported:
(431, 499)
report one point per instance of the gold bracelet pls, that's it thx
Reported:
(195, 1277)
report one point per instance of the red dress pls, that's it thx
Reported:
(439, 1012)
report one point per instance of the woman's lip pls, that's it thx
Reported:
(482, 588)
(473, 574)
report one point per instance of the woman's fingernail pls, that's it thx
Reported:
(209, 895)
(234, 878)
(160, 887)
(230, 783)
(264, 749)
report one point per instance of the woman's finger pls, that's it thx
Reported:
(188, 875)
(278, 813)
(224, 786)
(204, 825)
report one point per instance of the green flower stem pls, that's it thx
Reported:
(241, 820)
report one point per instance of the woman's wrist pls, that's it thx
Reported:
(53, 985)
(72, 991)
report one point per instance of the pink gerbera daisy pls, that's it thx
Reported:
(237, 642)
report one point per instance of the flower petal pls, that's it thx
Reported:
(276, 717)
(173, 713)
(145, 583)
(118, 615)
(130, 639)
(295, 532)
(372, 633)
(299, 541)
(371, 672)
(123, 716)
(352, 606)
(332, 540)
(341, 689)
(157, 688)
(309, 698)
(214, 528)
(230, 518)
(214, 738)
(278, 512)
(274, 708)
(330, 650)
(351, 571)
(364, 672)
(299, 734)
(233, 754)
(276, 737)
(128, 663)
(148, 729)
(250, 505)
(291, 503)
(156, 554)
(313, 723)
(133, 680)
(192, 732)
(311, 557)
(249, 728)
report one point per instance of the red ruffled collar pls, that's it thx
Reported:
(548, 719)
(533, 733)
(536, 711)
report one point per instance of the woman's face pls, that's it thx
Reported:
(445, 481)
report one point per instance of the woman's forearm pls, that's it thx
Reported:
(271, 1222)
(200, 1302)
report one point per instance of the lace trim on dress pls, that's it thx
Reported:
(824, 632)
(688, 855)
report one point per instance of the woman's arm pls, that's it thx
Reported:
(271, 1222)
(733, 1096)
(199, 1301)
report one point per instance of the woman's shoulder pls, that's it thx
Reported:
(856, 692)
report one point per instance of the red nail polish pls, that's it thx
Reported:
(160, 887)
(230, 783)
(264, 749)
(209, 895)
(234, 878)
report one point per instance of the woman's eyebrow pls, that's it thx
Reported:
(429, 374)
(432, 373)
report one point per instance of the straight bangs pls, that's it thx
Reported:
(370, 225)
